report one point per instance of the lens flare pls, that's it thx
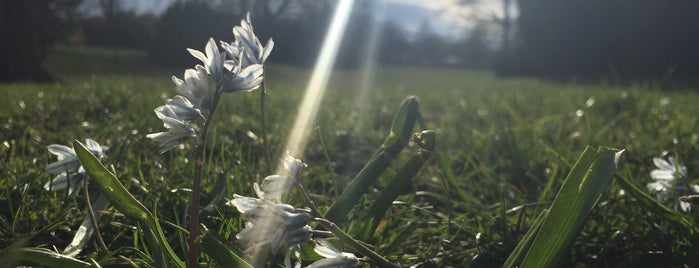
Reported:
(298, 137)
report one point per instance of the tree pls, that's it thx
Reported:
(27, 28)
(635, 39)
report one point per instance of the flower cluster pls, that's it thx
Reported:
(239, 67)
(667, 176)
(67, 162)
(270, 224)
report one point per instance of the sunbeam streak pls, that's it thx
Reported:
(298, 137)
(297, 140)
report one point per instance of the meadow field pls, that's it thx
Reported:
(503, 150)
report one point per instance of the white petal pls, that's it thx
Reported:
(267, 50)
(197, 54)
(244, 203)
(657, 186)
(94, 148)
(62, 151)
(662, 164)
(62, 181)
(659, 174)
(62, 165)
(695, 188)
(325, 249)
(178, 82)
(685, 206)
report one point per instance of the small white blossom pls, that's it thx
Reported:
(242, 78)
(293, 165)
(178, 131)
(273, 187)
(247, 42)
(195, 86)
(664, 177)
(269, 224)
(333, 256)
(67, 162)
(67, 159)
(179, 108)
(213, 60)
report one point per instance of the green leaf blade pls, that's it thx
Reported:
(578, 195)
(110, 185)
(401, 129)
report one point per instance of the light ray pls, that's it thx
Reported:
(298, 137)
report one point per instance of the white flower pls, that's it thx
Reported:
(179, 108)
(247, 43)
(178, 131)
(664, 178)
(273, 187)
(247, 57)
(67, 159)
(213, 60)
(242, 78)
(270, 225)
(293, 165)
(195, 86)
(333, 257)
(67, 162)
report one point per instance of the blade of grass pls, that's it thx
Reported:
(41, 257)
(221, 251)
(86, 229)
(578, 195)
(673, 216)
(129, 206)
(523, 246)
(400, 180)
(401, 129)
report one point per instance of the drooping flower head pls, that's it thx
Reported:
(178, 131)
(274, 186)
(333, 256)
(270, 225)
(243, 78)
(179, 108)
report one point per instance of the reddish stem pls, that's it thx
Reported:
(193, 253)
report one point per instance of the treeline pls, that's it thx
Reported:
(297, 27)
(624, 39)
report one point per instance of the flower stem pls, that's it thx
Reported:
(268, 153)
(196, 185)
(93, 220)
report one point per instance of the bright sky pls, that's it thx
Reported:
(446, 17)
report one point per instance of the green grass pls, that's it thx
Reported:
(504, 147)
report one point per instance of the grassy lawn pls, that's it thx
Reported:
(504, 147)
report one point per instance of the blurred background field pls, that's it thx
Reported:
(504, 146)
(502, 143)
